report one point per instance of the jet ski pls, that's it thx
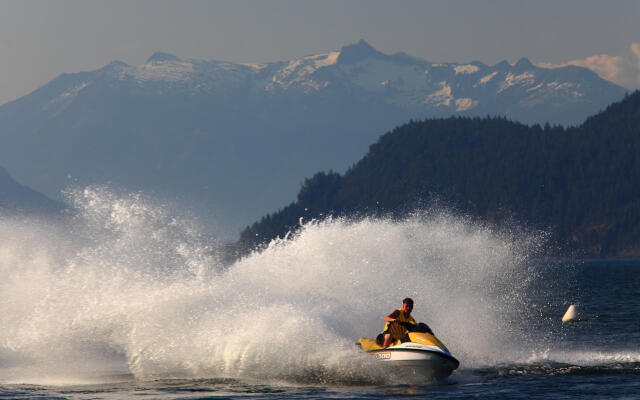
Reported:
(418, 353)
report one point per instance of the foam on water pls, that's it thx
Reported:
(583, 357)
(128, 286)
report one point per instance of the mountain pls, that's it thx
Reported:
(16, 198)
(234, 140)
(580, 184)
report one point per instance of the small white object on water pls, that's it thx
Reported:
(574, 314)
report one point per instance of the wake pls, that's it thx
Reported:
(127, 286)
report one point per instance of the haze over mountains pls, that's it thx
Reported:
(236, 140)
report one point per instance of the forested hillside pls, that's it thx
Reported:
(16, 198)
(580, 183)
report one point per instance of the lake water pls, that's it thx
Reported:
(129, 300)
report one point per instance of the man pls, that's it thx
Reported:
(393, 330)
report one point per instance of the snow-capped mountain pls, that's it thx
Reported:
(239, 138)
(522, 91)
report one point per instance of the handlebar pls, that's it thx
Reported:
(421, 327)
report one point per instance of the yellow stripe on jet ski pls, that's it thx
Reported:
(426, 338)
(416, 337)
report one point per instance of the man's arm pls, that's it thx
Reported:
(392, 317)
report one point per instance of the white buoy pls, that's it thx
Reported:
(574, 314)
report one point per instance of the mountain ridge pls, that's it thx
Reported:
(212, 134)
(16, 198)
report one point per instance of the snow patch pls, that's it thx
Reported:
(485, 79)
(299, 71)
(73, 92)
(566, 87)
(65, 98)
(169, 71)
(561, 85)
(465, 103)
(466, 69)
(330, 59)
(376, 75)
(526, 78)
(441, 97)
(256, 67)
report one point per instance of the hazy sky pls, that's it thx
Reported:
(42, 39)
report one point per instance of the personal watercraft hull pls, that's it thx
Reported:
(428, 363)
(421, 355)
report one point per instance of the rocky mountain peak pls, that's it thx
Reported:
(523, 63)
(159, 56)
(356, 52)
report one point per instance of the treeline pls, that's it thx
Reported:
(581, 183)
